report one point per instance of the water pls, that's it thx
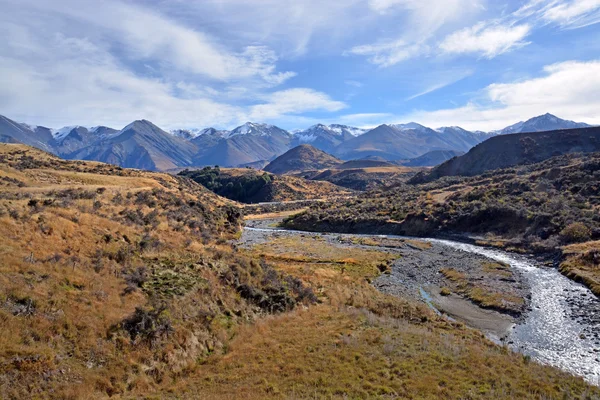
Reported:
(555, 331)
(550, 333)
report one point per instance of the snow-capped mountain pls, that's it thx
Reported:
(144, 145)
(190, 134)
(546, 122)
(326, 137)
(410, 126)
(341, 129)
(254, 129)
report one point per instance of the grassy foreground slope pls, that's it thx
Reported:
(117, 281)
(121, 283)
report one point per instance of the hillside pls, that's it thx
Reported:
(250, 186)
(362, 179)
(115, 281)
(302, 158)
(532, 208)
(123, 283)
(432, 158)
(517, 149)
(364, 163)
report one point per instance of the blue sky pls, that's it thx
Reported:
(480, 64)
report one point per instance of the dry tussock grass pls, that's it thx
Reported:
(119, 290)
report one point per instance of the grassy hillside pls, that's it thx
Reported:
(250, 186)
(115, 280)
(539, 207)
(123, 283)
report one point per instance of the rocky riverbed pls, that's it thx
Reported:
(448, 278)
(543, 314)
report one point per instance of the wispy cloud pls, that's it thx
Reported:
(442, 84)
(573, 14)
(488, 40)
(390, 53)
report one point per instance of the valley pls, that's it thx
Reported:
(103, 262)
(305, 200)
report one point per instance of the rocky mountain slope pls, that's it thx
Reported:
(516, 149)
(302, 158)
(246, 144)
(141, 145)
(394, 142)
(546, 122)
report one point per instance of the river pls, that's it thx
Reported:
(562, 326)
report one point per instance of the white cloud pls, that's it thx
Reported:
(422, 20)
(64, 80)
(293, 101)
(489, 40)
(567, 89)
(575, 13)
(390, 53)
(148, 36)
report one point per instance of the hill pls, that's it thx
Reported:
(432, 158)
(365, 163)
(110, 273)
(124, 283)
(516, 149)
(250, 186)
(302, 158)
(362, 179)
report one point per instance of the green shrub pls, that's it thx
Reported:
(576, 232)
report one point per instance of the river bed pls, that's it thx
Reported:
(561, 326)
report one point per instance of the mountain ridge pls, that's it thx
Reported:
(253, 142)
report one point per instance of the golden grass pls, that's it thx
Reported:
(60, 309)
(582, 264)
(483, 296)
(314, 252)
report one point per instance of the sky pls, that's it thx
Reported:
(478, 64)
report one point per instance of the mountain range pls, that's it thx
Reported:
(144, 145)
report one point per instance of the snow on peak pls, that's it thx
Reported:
(251, 128)
(409, 126)
(60, 134)
(334, 129)
(28, 126)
